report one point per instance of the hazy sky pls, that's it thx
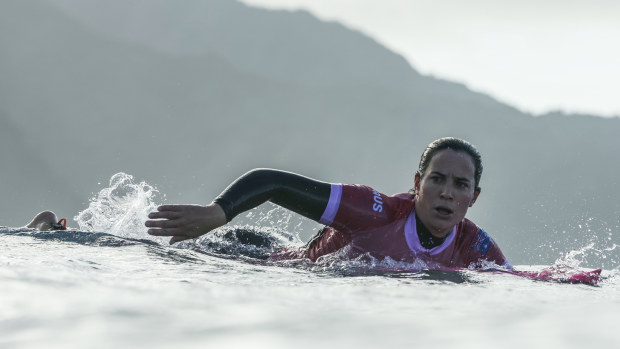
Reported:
(537, 55)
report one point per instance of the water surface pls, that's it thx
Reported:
(109, 285)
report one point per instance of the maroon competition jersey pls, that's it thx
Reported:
(361, 220)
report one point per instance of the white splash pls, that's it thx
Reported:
(279, 221)
(121, 209)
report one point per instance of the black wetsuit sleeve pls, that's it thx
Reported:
(297, 193)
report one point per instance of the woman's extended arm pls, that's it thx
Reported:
(297, 193)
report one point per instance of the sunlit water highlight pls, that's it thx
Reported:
(109, 284)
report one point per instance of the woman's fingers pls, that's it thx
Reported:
(168, 221)
(164, 223)
(165, 214)
(170, 208)
(184, 222)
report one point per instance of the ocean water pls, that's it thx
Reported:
(108, 284)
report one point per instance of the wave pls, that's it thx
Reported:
(254, 245)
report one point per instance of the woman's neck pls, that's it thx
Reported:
(427, 239)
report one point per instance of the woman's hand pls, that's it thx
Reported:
(184, 222)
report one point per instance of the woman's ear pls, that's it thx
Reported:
(476, 193)
(416, 181)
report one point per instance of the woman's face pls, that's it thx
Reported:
(445, 191)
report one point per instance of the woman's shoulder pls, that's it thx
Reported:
(467, 227)
(361, 198)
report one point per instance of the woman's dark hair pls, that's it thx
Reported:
(456, 145)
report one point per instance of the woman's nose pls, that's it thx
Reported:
(446, 192)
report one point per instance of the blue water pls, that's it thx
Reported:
(108, 284)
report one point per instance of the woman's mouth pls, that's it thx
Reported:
(444, 211)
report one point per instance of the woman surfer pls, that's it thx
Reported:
(427, 224)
